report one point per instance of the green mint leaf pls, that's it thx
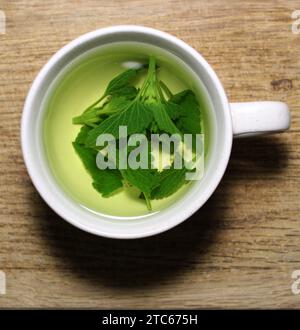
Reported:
(162, 118)
(128, 92)
(154, 127)
(145, 180)
(173, 110)
(152, 95)
(82, 135)
(104, 181)
(169, 182)
(115, 104)
(137, 116)
(90, 112)
(119, 86)
(90, 117)
(121, 82)
(189, 119)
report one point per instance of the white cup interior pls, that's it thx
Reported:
(108, 226)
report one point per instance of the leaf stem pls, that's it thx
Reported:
(95, 103)
(166, 89)
(149, 78)
(148, 202)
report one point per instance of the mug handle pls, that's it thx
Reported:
(256, 118)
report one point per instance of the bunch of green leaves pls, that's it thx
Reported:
(152, 108)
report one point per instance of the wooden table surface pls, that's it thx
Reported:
(240, 249)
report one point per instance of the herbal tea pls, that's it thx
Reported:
(144, 89)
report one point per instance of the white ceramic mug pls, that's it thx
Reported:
(231, 120)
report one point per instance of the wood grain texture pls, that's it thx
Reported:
(240, 249)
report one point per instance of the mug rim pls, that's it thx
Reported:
(41, 186)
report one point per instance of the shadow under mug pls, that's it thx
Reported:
(231, 120)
